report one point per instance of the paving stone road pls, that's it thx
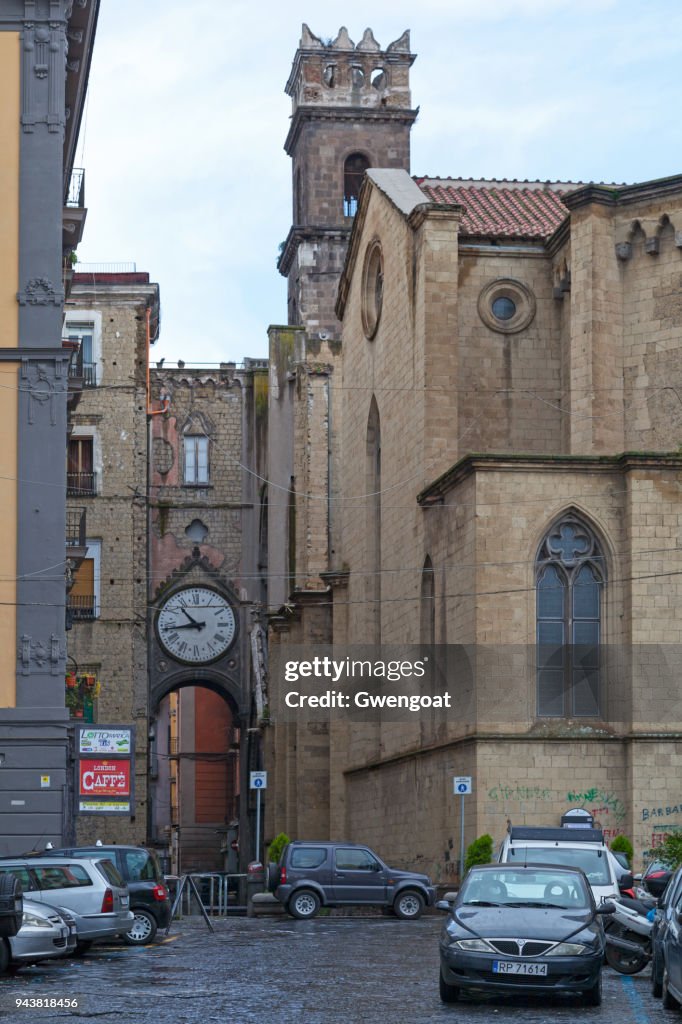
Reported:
(280, 971)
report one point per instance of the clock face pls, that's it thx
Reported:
(196, 625)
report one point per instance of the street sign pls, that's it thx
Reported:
(259, 780)
(462, 784)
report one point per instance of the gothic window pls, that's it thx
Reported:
(373, 522)
(196, 460)
(428, 605)
(570, 577)
(353, 173)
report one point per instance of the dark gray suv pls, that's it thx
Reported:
(311, 875)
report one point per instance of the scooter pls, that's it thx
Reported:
(628, 934)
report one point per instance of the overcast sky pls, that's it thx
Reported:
(186, 119)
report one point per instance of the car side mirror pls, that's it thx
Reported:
(626, 881)
(605, 909)
(444, 905)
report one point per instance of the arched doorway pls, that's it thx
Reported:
(195, 778)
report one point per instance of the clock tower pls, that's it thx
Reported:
(351, 109)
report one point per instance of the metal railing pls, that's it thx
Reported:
(75, 527)
(221, 893)
(106, 268)
(78, 484)
(75, 194)
(82, 606)
(78, 368)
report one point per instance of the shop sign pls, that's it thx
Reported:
(105, 741)
(104, 778)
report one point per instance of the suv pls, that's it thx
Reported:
(315, 874)
(583, 848)
(90, 889)
(149, 897)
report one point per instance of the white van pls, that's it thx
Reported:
(582, 848)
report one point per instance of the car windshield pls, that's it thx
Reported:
(510, 887)
(593, 862)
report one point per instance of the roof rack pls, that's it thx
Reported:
(556, 835)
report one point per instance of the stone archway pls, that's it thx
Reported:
(196, 784)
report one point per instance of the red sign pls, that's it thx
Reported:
(104, 778)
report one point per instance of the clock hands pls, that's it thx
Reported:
(191, 625)
(185, 612)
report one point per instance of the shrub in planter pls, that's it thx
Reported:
(276, 846)
(621, 844)
(479, 852)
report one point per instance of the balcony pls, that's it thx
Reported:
(81, 607)
(76, 546)
(74, 212)
(79, 485)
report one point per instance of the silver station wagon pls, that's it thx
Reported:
(90, 889)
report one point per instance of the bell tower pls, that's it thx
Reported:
(351, 110)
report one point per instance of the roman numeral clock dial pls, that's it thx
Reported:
(196, 625)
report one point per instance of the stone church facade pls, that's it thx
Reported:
(500, 397)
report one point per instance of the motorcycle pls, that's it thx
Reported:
(628, 934)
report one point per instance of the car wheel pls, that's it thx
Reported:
(656, 979)
(304, 904)
(592, 996)
(4, 956)
(669, 1001)
(409, 905)
(143, 929)
(448, 993)
(82, 947)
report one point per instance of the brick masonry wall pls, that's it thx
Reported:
(114, 644)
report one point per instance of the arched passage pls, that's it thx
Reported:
(195, 757)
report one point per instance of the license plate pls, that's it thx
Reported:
(124, 901)
(509, 967)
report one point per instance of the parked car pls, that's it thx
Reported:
(583, 848)
(314, 874)
(516, 928)
(149, 897)
(46, 932)
(91, 890)
(669, 906)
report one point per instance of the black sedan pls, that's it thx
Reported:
(520, 929)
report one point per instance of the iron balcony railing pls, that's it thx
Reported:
(82, 606)
(75, 193)
(79, 369)
(75, 527)
(78, 484)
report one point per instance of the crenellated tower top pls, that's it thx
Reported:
(340, 73)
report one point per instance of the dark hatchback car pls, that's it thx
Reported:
(149, 897)
(666, 945)
(333, 874)
(523, 929)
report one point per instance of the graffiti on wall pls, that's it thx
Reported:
(505, 792)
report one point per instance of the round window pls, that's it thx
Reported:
(506, 305)
(372, 289)
(504, 308)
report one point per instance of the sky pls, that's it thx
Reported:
(183, 133)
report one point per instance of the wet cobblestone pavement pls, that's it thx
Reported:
(277, 971)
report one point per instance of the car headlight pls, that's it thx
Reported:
(567, 949)
(472, 945)
(34, 922)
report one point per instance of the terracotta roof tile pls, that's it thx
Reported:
(502, 209)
